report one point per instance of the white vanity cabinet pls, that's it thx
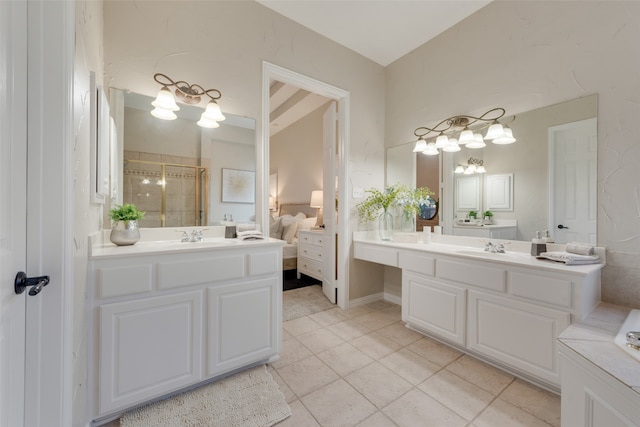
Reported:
(506, 313)
(166, 321)
(487, 231)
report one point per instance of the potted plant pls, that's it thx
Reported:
(125, 229)
(473, 214)
(488, 217)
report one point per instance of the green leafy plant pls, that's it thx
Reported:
(399, 195)
(488, 213)
(126, 212)
(473, 214)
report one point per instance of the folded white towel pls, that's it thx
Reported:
(580, 248)
(250, 235)
(570, 259)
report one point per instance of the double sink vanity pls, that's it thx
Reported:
(167, 315)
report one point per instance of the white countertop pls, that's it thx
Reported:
(168, 241)
(517, 252)
(593, 338)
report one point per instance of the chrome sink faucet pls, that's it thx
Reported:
(196, 236)
(493, 248)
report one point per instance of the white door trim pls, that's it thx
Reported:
(342, 97)
(49, 350)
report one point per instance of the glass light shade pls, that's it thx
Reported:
(163, 114)
(507, 138)
(466, 136)
(431, 150)
(212, 112)
(421, 145)
(459, 169)
(477, 142)
(205, 122)
(452, 146)
(165, 100)
(468, 171)
(495, 130)
(442, 141)
(480, 169)
(316, 199)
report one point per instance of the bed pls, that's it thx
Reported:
(291, 217)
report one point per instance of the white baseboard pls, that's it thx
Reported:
(380, 296)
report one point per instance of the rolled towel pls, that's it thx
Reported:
(250, 235)
(580, 248)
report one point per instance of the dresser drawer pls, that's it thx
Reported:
(311, 239)
(310, 251)
(310, 267)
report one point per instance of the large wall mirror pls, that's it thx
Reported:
(532, 181)
(179, 173)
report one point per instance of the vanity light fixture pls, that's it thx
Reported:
(473, 166)
(464, 130)
(191, 94)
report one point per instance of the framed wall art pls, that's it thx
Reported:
(238, 186)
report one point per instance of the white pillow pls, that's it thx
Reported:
(306, 224)
(289, 231)
(275, 229)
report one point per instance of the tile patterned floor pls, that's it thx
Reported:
(363, 367)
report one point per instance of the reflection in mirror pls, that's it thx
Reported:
(173, 169)
(540, 198)
(429, 209)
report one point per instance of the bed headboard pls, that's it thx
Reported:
(294, 208)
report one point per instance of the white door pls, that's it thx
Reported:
(572, 164)
(329, 132)
(13, 186)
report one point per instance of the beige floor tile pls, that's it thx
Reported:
(344, 358)
(300, 417)
(377, 420)
(289, 395)
(394, 311)
(349, 329)
(320, 340)
(375, 345)
(338, 404)
(416, 408)
(329, 317)
(307, 375)
(292, 351)
(534, 400)
(399, 333)
(410, 366)
(378, 384)
(481, 374)
(356, 311)
(462, 397)
(434, 351)
(300, 326)
(375, 320)
(286, 335)
(503, 414)
(379, 305)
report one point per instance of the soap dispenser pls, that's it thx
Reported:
(538, 245)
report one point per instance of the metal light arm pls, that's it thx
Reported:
(462, 122)
(187, 93)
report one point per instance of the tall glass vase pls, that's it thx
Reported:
(385, 225)
(408, 221)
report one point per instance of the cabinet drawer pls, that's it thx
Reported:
(416, 261)
(120, 281)
(550, 290)
(472, 274)
(310, 251)
(310, 267)
(377, 254)
(185, 273)
(311, 238)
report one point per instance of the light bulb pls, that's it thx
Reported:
(452, 146)
(507, 138)
(165, 100)
(163, 114)
(421, 145)
(442, 140)
(466, 136)
(212, 112)
(431, 150)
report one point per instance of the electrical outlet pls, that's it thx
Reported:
(358, 193)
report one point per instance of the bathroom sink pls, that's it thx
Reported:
(479, 252)
(631, 324)
(173, 244)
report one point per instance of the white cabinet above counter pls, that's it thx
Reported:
(177, 315)
(505, 308)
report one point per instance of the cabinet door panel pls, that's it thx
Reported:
(433, 306)
(148, 348)
(243, 324)
(519, 334)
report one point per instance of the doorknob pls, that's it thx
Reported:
(22, 282)
(560, 226)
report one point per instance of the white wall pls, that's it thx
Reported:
(222, 45)
(296, 155)
(88, 217)
(528, 54)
